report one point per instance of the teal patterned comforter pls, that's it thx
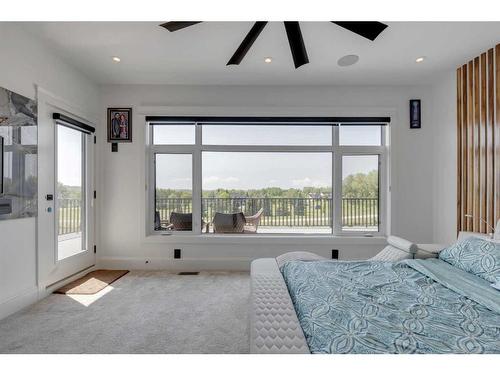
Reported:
(414, 306)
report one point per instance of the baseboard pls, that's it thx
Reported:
(207, 264)
(46, 290)
(24, 299)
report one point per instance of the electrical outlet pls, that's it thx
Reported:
(335, 254)
(177, 253)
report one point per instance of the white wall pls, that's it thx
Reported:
(445, 158)
(18, 277)
(122, 184)
(27, 62)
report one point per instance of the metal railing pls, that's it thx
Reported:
(278, 212)
(360, 212)
(69, 215)
(282, 212)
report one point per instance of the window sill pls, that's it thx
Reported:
(282, 239)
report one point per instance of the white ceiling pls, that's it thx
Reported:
(198, 54)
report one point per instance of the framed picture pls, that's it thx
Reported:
(415, 114)
(119, 125)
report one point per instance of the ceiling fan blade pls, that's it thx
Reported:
(368, 29)
(299, 53)
(247, 43)
(178, 25)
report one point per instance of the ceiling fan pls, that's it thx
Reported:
(367, 29)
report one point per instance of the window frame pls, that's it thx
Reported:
(337, 152)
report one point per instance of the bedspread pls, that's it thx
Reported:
(416, 306)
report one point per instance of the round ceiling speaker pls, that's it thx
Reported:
(348, 60)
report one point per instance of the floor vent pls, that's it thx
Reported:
(188, 273)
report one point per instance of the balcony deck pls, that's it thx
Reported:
(69, 244)
(309, 230)
(306, 230)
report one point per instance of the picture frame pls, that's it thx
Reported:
(415, 114)
(119, 125)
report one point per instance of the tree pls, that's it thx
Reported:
(361, 185)
(69, 192)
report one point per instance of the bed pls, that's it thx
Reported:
(311, 305)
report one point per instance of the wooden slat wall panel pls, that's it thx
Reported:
(459, 148)
(465, 145)
(496, 159)
(470, 145)
(490, 134)
(478, 142)
(482, 145)
(476, 169)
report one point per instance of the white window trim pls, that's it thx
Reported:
(335, 149)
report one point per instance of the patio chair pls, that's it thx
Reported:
(229, 223)
(252, 222)
(178, 222)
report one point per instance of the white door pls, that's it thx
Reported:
(66, 201)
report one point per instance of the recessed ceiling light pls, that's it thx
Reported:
(116, 59)
(348, 60)
(268, 60)
(420, 59)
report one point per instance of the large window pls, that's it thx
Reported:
(267, 135)
(173, 192)
(173, 134)
(360, 192)
(289, 191)
(215, 178)
(71, 199)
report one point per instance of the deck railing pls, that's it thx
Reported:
(69, 215)
(360, 212)
(278, 212)
(281, 212)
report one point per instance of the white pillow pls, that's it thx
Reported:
(397, 249)
(402, 244)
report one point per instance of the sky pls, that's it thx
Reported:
(255, 170)
(69, 156)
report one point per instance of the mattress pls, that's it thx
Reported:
(274, 327)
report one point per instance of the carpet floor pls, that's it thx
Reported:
(142, 312)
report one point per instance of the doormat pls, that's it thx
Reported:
(92, 282)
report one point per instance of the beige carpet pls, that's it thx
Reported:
(142, 312)
(92, 282)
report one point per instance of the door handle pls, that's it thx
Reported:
(49, 197)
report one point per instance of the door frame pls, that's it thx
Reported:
(49, 270)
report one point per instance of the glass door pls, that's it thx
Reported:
(66, 204)
(71, 192)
